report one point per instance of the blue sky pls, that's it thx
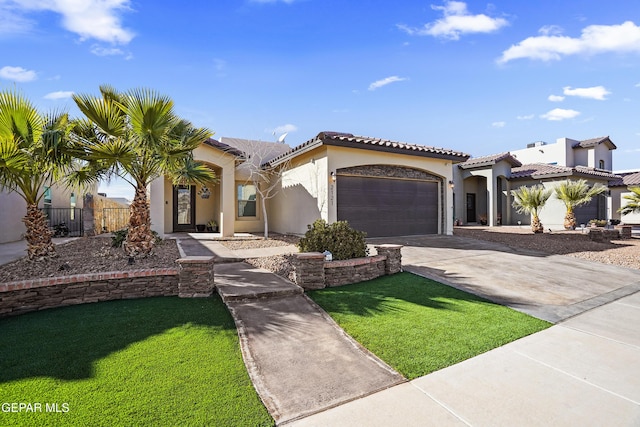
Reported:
(473, 76)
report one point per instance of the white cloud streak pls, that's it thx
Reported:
(58, 95)
(386, 81)
(288, 128)
(90, 19)
(17, 74)
(498, 124)
(556, 98)
(595, 92)
(595, 39)
(455, 22)
(558, 114)
(526, 117)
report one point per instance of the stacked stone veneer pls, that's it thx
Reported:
(598, 234)
(193, 278)
(311, 271)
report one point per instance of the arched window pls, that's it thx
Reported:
(601, 164)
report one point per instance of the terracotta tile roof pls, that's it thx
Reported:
(363, 142)
(588, 143)
(540, 170)
(224, 147)
(476, 162)
(626, 179)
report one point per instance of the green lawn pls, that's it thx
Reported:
(156, 361)
(418, 326)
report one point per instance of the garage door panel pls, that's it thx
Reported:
(388, 207)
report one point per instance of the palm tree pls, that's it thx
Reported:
(634, 201)
(137, 136)
(574, 194)
(530, 200)
(33, 153)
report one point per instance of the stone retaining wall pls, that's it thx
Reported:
(311, 271)
(193, 278)
(599, 234)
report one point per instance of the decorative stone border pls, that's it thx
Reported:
(311, 271)
(191, 279)
(599, 234)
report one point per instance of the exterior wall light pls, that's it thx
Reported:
(452, 184)
(333, 177)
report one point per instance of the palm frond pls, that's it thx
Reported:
(633, 204)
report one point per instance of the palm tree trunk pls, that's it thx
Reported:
(570, 221)
(140, 239)
(38, 236)
(536, 225)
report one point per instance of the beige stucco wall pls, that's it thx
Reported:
(12, 210)
(308, 192)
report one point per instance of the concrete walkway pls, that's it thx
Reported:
(13, 251)
(299, 360)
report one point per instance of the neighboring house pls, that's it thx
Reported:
(619, 188)
(383, 187)
(59, 203)
(485, 183)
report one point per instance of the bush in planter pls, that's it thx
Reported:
(338, 238)
(120, 236)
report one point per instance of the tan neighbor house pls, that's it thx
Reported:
(383, 187)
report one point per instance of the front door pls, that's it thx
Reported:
(471, 207)
(184, 208)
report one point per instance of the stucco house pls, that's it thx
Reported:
(383, 187)
(620, 188)
(483, 184)
(59, 203)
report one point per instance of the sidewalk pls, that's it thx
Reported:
(583, 371)
(12, 251)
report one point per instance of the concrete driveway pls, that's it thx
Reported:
(549, 287)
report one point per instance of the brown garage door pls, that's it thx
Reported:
(388, 207)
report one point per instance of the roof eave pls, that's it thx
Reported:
(397, 150)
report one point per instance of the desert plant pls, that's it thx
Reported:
(34, 152)
(338, 238)
(633, 204)
(137, 136)
(531, 200)
(120, 236)
(574, 194)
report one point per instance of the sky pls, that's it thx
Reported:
(476, 77)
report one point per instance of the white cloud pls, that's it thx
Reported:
(106, 51)
(90, 19)
(526, 117)
(58, 95)
(456, 21)
(17, 74)
(594, 39)
(556, 98)
(498, 124)
(383, 82)
(558, 114)
(288, 128)
(596, 92)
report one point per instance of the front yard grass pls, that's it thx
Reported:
(155, 361)
(418, 326)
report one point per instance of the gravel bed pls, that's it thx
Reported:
(260, 242)
(88, 255)
(624, 253)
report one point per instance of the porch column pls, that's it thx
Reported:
(227, 200)
(157, 202)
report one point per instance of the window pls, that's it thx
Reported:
(246, 200)
(47, 201)
(601, 164)
(72, 204)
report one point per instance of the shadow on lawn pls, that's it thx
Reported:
(65, 342)
(373, 297)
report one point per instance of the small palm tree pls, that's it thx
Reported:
(531, 200)
(574, 194)
(137, 136)
(34, 152)
(634, 201)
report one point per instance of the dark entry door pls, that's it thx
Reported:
(471, 207)
(184, 208)
(388, 207)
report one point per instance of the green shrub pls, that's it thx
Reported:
(338, 238)
(120, 236)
